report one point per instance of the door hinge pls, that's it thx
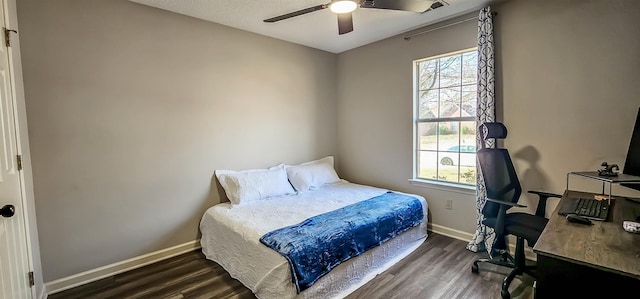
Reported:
(31, 280)
(19, 158)
(7, 36)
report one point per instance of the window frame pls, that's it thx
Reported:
(435, 183)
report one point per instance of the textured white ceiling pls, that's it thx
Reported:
(317, 29)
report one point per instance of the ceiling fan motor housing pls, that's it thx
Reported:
(345, 20)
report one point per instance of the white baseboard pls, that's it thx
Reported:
(69, 282)
(465, 236)
(449, 232)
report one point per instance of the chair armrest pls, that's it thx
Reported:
(506, 203)
(542, 202)
(502, 213)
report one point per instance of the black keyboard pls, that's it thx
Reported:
(590, 207)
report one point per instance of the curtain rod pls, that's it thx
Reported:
(409, 36)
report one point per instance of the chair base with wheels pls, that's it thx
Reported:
(504, 258)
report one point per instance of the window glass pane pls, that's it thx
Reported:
(450, 71)
(449, 136)
(448, 169)
(450, 102)
(469, 100)
(467, 159)
(428, 165)
(468, 168)
(428, 136)
(446, 93)
(428, 105)
(470, 67)
(468, 136)
(449, 158)
(428, 71)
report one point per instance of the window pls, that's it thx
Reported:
(445, 117)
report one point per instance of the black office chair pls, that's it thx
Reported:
(503, 192)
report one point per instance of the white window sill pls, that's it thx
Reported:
(462, 189)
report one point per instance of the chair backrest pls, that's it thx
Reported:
(500, 178)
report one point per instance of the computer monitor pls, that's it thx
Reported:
(632, 163)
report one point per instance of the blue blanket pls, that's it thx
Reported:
(320, 243)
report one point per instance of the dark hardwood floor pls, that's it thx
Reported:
(439, 268)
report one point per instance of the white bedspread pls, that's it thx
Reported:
(231, 238)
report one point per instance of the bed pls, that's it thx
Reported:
(232, 231)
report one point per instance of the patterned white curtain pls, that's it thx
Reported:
(484, 236)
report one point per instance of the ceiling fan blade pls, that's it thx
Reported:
(345, 23)
(296, 13)
(406, 5)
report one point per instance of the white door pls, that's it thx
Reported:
(14, 265)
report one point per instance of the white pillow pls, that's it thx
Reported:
(254, 184)
(313, 174)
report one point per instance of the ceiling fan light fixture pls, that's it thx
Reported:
(343, 6)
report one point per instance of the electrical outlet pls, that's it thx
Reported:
(449, 205)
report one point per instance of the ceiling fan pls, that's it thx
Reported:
(344, 8)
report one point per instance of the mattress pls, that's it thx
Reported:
(231, 238)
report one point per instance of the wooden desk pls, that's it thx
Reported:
(574, 258)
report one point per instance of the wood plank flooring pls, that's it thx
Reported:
(439, 268)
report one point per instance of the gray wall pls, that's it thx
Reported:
(567, 90)
(131, 109)
(569, 85)
(375, 114)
